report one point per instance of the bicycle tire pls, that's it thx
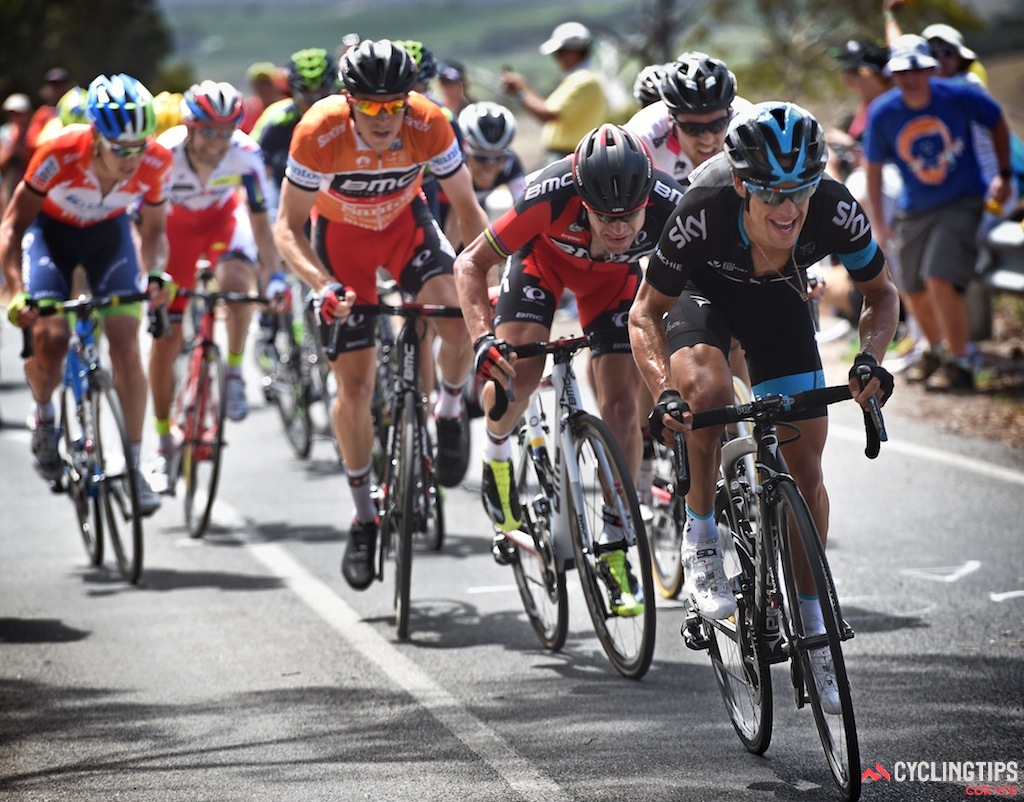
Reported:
(404, 465)
(666, 530)
(539, 577)
(118, 490)
(200, 412)
(434, 521)
(838, 732)
(628, 641)
(737, 657)
(291, 390)
(83, 472)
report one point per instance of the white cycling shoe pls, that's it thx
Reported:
(706, 580)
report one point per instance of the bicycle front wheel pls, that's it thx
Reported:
(737, 658)
(404, 493)
(539, 577)
(667, 520)
(119, 485)
(612, 572)
(83, 471)
(290, 389)
(834, 719)
(199, 412)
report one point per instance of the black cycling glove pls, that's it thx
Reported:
(487, 350)
(884, 377)
(669, 403)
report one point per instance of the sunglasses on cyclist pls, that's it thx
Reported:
(375, 107)
(609, 219)
(487, 158)
(696, 129)
(776, 197)
(215, 133)
(945, 51)
(125, 151)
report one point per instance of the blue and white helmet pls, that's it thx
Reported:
(776, 143)
(120, 108)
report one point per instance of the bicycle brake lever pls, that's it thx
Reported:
(682, 465)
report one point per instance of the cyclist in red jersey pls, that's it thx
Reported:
(70, 210)
(582, 224)
(356, 162)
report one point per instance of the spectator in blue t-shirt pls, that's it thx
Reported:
(923, 126)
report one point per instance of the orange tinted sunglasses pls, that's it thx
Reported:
(375, 107)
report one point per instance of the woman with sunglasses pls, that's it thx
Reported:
(209, 217)
(582, 224)
(356, 164)
(732, 262)
(71, 209)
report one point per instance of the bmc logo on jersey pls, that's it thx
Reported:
(547, 185)
(665, 191)
(852, 218)
(353, 185)
(683, 231)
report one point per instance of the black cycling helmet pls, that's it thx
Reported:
(647, 86)
(776, 143)
(613, 170)
(378, 68)
(697, 84)
(312, 70)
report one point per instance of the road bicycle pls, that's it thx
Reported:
(569, 486)
(409, 498)
(198, 411)
(667, 514)
(765, 527)
(100, 475)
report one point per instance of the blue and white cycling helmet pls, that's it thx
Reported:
(120, 108)
(776, 144)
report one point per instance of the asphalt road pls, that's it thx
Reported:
(243, 667)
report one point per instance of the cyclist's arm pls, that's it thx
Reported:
(875, 203)
(458, 186)
(290, 236)
(264, 236)
(647, 338)
(153, 235)
(24, 207)
(471, 268)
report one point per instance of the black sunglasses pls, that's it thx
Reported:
(696, 129)
(487, 158)
(945, 51)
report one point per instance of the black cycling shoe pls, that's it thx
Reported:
(357, 564)
(452, 451)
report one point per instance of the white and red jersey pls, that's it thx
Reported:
(654, 125)
(242, 166)
(354, 183)
(62, 169)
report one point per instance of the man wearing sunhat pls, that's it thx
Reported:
(577, 105)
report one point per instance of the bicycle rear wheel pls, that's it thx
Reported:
(539, 577)
(83, 472)
(737, 658)
(118, 484)
(627, 639)
(290, 389)
(835, 724)
(199, 412)
(667, 521)
(403, 464)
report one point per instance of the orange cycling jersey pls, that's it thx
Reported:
(62, 170)
(354, 183)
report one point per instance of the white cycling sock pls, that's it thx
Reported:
(810, 612)
(699, 527)
(497, 448)
(449, 400)
(362, 494)
(45, 412)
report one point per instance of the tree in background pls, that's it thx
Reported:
(86, 38)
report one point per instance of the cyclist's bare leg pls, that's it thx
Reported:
(122, 333)
(355, 373)
(237, 275)
(803, 458)
(162, 353)
(738, 362)
(528, 374)
(615, 380)
(43, 368)
(704, 379)
(456, 353)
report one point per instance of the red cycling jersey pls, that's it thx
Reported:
(62, 170)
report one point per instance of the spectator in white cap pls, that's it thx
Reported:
(14, 152)
(955, 60)
(577, 105)
(924, 127)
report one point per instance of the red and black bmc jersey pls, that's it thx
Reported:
(550, 215)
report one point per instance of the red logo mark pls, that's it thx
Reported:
(876, 774)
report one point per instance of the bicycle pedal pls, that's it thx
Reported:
(693, 635)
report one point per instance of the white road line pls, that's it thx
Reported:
(947, 574)
(529, 783)
(985, 469)
(1010, 594)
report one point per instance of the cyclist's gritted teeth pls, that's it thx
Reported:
(786, 227)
